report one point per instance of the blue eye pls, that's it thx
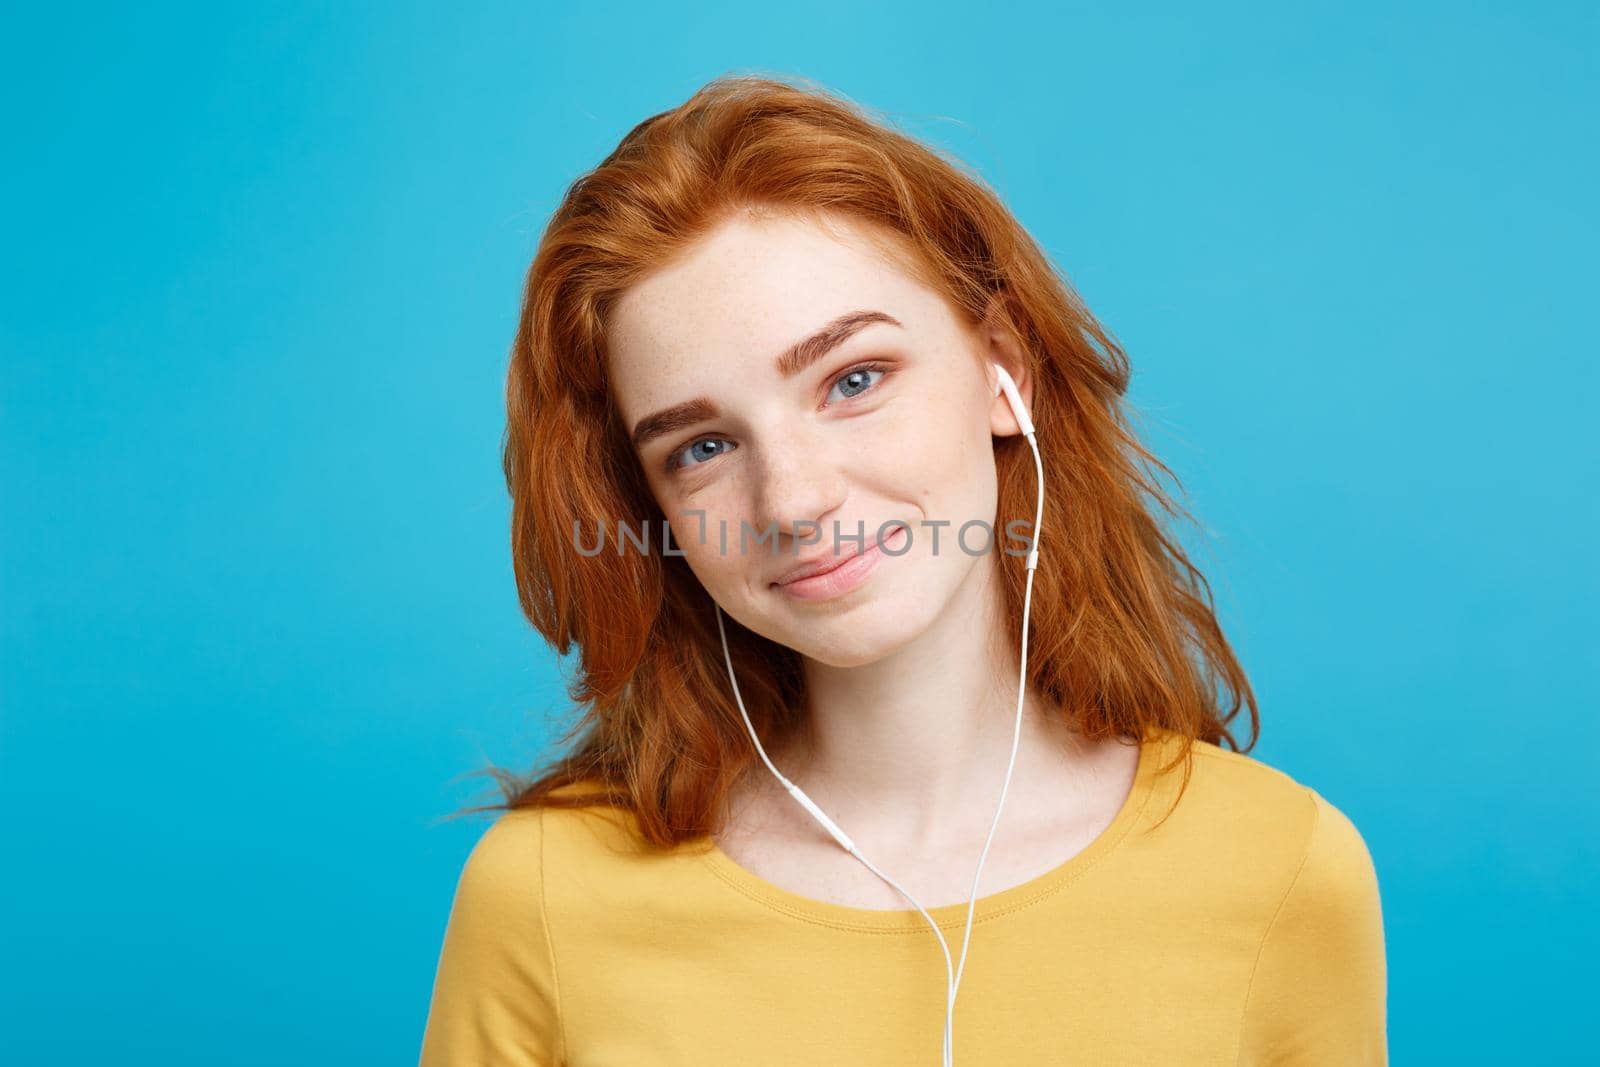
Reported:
(699, 451)
(855, 379)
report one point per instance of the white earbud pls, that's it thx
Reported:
(952, 980)
(1013, 397)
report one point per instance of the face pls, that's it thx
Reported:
(885, 419)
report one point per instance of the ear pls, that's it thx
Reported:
(999, 345)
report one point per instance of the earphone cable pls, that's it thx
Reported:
(952, 977)
(1016, 738)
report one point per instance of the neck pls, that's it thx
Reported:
(914, 748)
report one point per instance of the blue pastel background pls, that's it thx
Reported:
(256, 610)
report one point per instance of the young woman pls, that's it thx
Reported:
(872, 666)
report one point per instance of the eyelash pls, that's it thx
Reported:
(871, 368)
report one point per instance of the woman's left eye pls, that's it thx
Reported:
(855, 381)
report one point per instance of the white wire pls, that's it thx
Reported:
(1016, 737)
(952, 980)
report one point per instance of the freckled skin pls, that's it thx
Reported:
(910, 690)
(914, 445)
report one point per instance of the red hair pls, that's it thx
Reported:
(1124, 632)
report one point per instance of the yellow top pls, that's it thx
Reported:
(1246, 929)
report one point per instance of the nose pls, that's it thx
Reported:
(798, 486)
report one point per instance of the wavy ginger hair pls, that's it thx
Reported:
(1124, 634)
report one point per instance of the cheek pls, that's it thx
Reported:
(940, 454)
(692, 515)
(709, 542)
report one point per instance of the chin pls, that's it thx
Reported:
(866, 634)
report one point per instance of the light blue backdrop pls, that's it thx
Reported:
(261, 271)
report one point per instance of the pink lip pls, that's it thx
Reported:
(850, 573)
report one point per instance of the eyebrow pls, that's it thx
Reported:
(794, 360)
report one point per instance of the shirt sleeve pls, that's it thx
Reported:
(495, 996)
(1319, 991)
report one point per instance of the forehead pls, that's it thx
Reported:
(746, 291)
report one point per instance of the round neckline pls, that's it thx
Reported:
(993, 905)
